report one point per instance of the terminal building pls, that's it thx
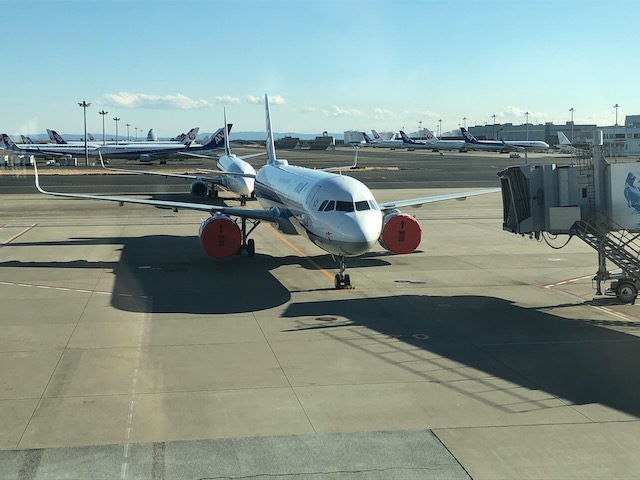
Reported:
(619, 140)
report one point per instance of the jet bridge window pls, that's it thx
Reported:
(363, 205)
(344, 206)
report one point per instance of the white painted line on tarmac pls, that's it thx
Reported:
(17, 235)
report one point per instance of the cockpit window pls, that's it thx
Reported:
(374, 205)
(322, 205)
(344, 206)
(330, 206)
(362, 205)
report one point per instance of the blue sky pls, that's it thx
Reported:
(328, 65)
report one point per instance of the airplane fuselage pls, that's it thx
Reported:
(336, 212)
(242, 186)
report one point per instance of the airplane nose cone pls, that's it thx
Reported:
(360, 233)
(246, 186)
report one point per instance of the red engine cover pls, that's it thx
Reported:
(220, 237)
(401, 233)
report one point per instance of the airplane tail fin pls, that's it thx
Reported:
(376, 135)
(51, 137)
(152, 137)
(562, 138)
(430, 135)
(367, 138)
(24, 139)
(271, 148)
(57, 138)
(467, 136)
(406, 138)
(216, 140)
(90, 138)
(190, 137)
(227, 149)
(10, 144)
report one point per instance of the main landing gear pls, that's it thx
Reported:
(342, 280)
(248, 245)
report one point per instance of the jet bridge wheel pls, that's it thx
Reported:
(627, 292)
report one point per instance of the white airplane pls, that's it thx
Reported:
(432, 142)
(149, 151)
(335, 212)
(46, 150)
(57, 139)
(502, 145)
(234, 174)
(382, 143)
(565, 145)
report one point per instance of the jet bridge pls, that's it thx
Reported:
(592, 199)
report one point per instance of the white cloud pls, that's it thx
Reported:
(383, 114)
(336, 111)
(517, 115)
(144, 100)
(273, 100)
(226, 100)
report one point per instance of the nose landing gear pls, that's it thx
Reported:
(342, 280)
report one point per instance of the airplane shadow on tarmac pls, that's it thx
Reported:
(178, 277)
(449, 339)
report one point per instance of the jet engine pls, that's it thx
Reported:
(220, 236)
(401, 233)
(199, 188)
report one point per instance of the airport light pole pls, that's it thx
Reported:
(440, 128)
(494, 125)
(465, 122)
(103, 113)
(571, 110)
(136, 129)
(420, 129)
(615, 128)
(84, 106)
(128, 125)
(116, 119)
(527, 123)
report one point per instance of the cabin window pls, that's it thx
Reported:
(344, 206)
(322, 205)
(363, 205)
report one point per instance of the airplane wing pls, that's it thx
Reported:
(348, 167)
(265, 215)
(215, 157)
(416, 202)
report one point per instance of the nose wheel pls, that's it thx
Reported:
(342, 280)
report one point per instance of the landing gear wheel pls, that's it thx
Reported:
(627, 292)
(243, 201)
(214, 193)
(347, 281)
(336, 282)
(251, 247)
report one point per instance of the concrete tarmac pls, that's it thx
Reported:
(126, 353)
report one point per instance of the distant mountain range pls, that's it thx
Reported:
(251, 136)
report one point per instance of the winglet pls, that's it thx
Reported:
(271, 149)
(35, 170)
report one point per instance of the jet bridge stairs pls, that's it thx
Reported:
(576, 200)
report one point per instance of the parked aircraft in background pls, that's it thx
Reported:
(46, 150)
(335, 212)
(432, 143)
(27, 140)
(56, 138)
(564, 145)
(149, 151)
(502, 145)
(380, 143)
